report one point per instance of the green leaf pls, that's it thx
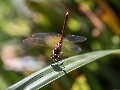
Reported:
(51, 73)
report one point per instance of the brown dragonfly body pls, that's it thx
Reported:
(63, 43)
(58, 47)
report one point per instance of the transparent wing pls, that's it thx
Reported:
(43, 39)
(51, 39)
(75, 38)
(32, 41)
(68, 45)
(48, 39)
(42, 36)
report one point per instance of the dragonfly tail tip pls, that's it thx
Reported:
(67, 13)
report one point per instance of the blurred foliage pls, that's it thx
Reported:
(98, 20)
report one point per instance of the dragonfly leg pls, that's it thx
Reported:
(61, 63)
(61, 57)
(55, 60)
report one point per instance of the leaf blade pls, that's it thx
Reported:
(49, 74)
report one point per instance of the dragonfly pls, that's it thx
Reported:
(57, 41)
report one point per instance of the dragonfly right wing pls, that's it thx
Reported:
(75, 38)
(71, 46)
(70, 40)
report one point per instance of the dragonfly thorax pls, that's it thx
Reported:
(56, 51)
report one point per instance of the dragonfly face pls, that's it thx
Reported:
(57, 42)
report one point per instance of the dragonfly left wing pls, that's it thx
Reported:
(42, 36)
(43, 39)
(32, 41)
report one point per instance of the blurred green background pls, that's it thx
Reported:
(98, 20)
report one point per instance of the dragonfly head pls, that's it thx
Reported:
(54, 56)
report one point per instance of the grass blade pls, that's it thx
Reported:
(51, 73)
